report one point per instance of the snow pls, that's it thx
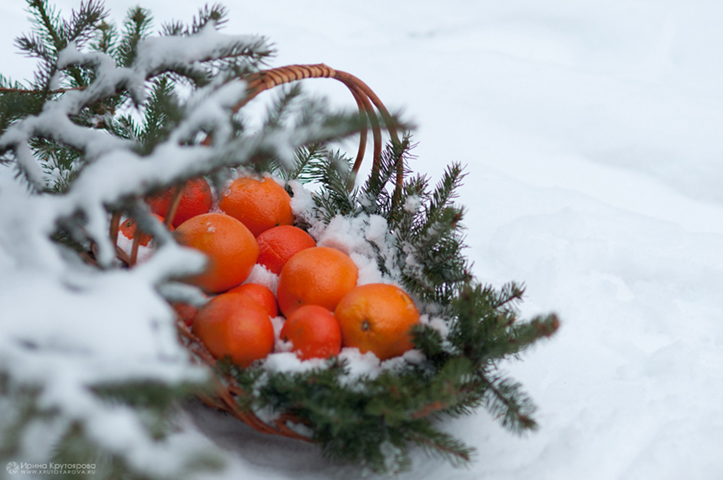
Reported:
(288, 362)
(591, 135)
(262, 276)
(301, 202)
(354, 237)
(360, 365)
(436, 323)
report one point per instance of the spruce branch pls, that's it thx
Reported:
(375, 198)
(107, 37)
(519, 337)
(231, 60)
(124, 126)
(429, 341)
(215, 14)
(508, 295)
(83, 24)
(34, 47)
(162, 114)
(436, 443)
(16, 104)
(477, 320)
(438, 210)
(53, 34)
(136, 27)
(308, 159)
(58, 162)
(505, 400)
(26, 91)
(47, 23)
(281, 108)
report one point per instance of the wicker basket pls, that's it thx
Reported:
(226, 387)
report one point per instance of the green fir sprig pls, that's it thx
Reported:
(373, 421)
(142, 126)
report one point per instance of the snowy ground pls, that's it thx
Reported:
(592, 136)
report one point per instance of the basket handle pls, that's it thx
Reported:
(365, 97)
(366, 101)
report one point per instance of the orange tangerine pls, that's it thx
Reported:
(231, 249)
(196, 199)
(313, 331)
(259, 294)
(186, 312)
(277, 245)
(377, 317)
(128, 229)
(258, 204)
(232, 325)
(315, 276)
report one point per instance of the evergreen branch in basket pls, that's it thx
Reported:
(372, 421)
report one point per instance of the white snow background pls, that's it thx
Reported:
(592, 132)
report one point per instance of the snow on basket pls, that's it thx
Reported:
(403, 238)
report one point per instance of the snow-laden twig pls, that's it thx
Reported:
(68, 328)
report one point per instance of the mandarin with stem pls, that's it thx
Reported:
(377, 317)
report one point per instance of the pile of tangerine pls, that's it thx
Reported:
(317, 291)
